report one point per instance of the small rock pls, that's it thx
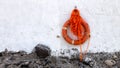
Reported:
(115, 57)
(110, 62)
(88, 61)
(1, 54)
(58, 36)
(62, 53)
(42, 51)
(75, 49)
(24, 66)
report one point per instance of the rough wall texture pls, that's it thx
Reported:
(25, 23)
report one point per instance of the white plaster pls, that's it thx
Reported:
(25, 23)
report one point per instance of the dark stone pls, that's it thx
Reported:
(42, 51)
(1, 54)
(75, 49)
(58, 36)
(24, 66)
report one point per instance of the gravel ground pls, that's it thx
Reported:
(21, 59)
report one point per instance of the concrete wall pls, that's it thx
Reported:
(25, 23)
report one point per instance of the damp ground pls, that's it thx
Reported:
(21, 59)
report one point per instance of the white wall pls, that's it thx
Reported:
(25, 23)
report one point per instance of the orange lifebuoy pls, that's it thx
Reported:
(79, 41)
(78, 27)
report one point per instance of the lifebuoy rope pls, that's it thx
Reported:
(79, 28)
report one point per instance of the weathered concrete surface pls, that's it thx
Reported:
(25, 23)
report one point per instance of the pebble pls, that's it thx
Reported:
(88, 61)
(75, 49)
(1, 54)
(115, 57)
(110, 62)
(24, 66)
(58, 36)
